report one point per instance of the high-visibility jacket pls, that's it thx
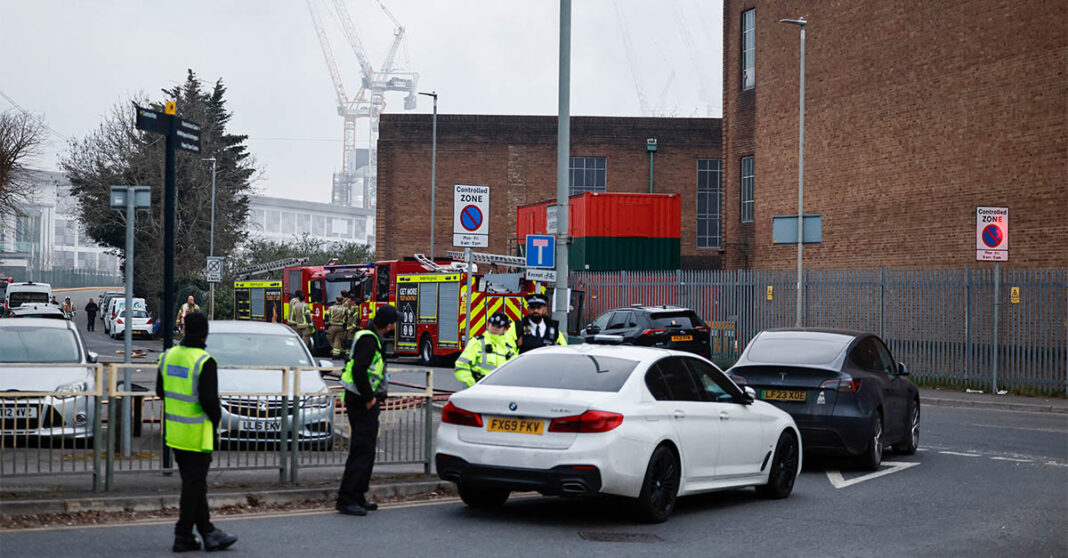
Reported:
(482, 355)
(186, 425)
(352, 318)
(376, 373)
(185, 310)
(299, 313)
(337, 315)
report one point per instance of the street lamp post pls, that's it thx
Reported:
(800, 172)
(433, 170)
(211, 242)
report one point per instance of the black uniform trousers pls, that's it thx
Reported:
(364, 425)
(91, 325)
(193, 505)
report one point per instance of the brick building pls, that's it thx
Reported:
(516, 157)
(914, 115)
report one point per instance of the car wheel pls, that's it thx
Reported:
(873, 456)
(912, 441)
(426, 351)
(783, 469)
(660, 489)
(482, 497)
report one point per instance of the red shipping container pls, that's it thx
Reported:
(609, 215)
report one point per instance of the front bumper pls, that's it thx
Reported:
(47, 417)
(244, 420)
(558, 481)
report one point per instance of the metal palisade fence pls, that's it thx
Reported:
(939, 322)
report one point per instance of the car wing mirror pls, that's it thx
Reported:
(592, 329)
(93, 357)
(324, 363)
(902, 369)
(750, 394)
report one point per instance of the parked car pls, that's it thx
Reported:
(845, 391)
(249, 418)
(142, 324)
(668, 327)
(105, 299)
(116, 305)
(638, 422)
(37, 310)
(68, 413)
(18, 294)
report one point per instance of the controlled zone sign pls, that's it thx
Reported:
(470, 219)
(541, 250)
(213, 269)
(992, 234)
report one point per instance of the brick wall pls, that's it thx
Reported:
(914, 116)
(516, 157)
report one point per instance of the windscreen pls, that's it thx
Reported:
(822, 349)
(685, 320)
(334, 288)
(19, 298)
(246, 349)
(564, 371)
(136, 313)
(38, 344)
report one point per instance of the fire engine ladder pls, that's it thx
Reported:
(260, 269)
(499, 259)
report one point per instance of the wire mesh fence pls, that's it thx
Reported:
(939, 322)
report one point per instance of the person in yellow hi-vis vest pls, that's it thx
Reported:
(365, 382)
(187, 382)
(536, 329)
(484, 353)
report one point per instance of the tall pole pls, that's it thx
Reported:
(563, 163)
(433, 170)
(127, 333)
(800, 174)
(168, 237)
(997, 338)
(211, 243)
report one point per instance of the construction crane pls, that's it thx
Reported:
(368, 102)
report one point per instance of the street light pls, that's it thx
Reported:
(433, 170)
(800, 170)
(211, 242)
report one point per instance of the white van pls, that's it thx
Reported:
(21, 293)
(115, 306)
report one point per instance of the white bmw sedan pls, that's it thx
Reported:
(644, 423)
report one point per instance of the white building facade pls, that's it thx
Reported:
(285, 220)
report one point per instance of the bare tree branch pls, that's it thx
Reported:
(21, 138)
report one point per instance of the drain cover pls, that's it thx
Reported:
(606, 536)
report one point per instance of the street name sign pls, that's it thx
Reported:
(470, 222)
(991, 234)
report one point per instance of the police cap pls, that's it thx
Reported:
(499, 319)
(537, 299)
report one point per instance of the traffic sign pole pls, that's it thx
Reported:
(997, 283)
(467, 305)
(563, 159)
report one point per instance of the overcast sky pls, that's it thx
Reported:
(70, 62)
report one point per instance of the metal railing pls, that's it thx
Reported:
(939, 322)
(284, 429)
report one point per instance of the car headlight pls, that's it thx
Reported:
(316, 401)
(73, 389)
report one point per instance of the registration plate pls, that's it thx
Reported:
(19, 412)
(261, 425)
(518, 426)
(682, 337)
(784, 395)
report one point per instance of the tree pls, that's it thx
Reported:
(21, 137)
(117, 153)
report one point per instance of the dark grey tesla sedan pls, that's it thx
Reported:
(846, 393)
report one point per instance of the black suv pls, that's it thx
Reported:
(668, 327)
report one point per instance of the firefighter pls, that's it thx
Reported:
(336, 316)
(352, 323)
(68, 308)
(485, 352)
(300, 317)
(536, 329)
(188, 308)
(365, 383)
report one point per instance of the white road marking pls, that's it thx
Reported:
(838, 481)
(1028, 428)
(1013, 459)
(960, 454)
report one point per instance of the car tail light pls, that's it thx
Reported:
(149, 322)
(653, 331)
(119, 321)
(452, 414)
(740, 380)
(590, 421)
(845, 384)
(703, 328)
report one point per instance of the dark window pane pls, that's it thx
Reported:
(679, 380)
(795, 348)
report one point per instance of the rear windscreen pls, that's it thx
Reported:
(564, 371)
(685, 320)
(798, 350)
(19, 298)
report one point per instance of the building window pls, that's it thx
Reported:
(303, 224)
(709, 214)
(274, 220)
(748, 49)
(587, 174)
(747, 189)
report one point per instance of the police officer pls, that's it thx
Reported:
(536, 329)
(187, 382)
(365, 382)
(485, 352)
(335, 332)
(300, 317)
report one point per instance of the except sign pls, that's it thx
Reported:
(992, 234)
(543, 275)
(470, 211)
(541, 250)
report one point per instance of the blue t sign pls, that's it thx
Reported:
(541, 250)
